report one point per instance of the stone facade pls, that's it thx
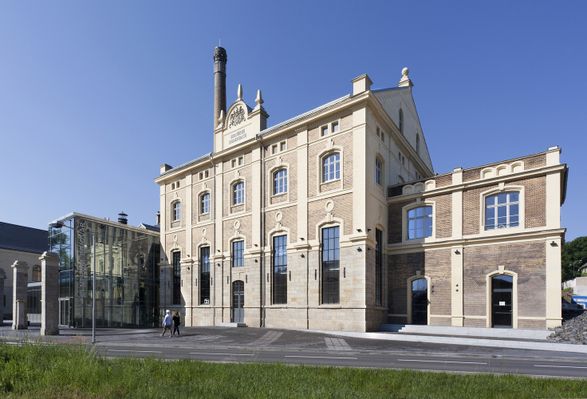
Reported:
(375, 144)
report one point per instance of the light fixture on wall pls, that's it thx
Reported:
(457, 252)
(302, 256)
(359, 230)
(359, 249)
(553, 244)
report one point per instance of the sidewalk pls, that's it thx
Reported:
(468, 336)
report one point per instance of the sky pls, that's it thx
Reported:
(94, 96)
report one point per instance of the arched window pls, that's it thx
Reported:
(205, 203)
(176, 211)
(401, 121)
(238, 193)
(378, 171)
(420, 222)
(331, 167)
(502, 210)
(280, 181)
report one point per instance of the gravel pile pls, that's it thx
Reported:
(572, 331)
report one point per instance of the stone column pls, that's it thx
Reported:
(19, 284)
(2, 277)
(49, 293)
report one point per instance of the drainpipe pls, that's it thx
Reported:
(262, 235)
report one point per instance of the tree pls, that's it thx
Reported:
(574, 255)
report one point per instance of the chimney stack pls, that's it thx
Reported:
(220, 59)
(122, 218)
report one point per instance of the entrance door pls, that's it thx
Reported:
(238, 301)
(420, 301)
(64, 312)
(501, 301)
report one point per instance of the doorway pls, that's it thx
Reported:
(419, 301)
(238, 301)
(501, 301)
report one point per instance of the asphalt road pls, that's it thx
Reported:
(300, 347)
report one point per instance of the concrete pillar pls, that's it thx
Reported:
(49, 293)
(19, 284)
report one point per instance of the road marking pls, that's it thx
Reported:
(268, 338)
(323, 357)
(131, 350)
(439, 361)
(337, 344)
(221, 354)
(560, 366)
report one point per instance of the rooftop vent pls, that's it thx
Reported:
(122, 218)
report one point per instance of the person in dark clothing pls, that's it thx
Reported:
(176, 323)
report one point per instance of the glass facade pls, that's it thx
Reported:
(126, 264)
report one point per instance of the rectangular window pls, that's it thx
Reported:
(204, 275)
(274, 149)
(378, 171)
(279, 258)
(233, 163)
(283, 146)
(378, 267)
(330, 265)
(241, 160)
(323, 130)
(238, 253)
(176, 262)
(334, 127)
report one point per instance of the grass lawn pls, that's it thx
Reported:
(73, 372)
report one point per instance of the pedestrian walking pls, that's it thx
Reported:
(167, 323)
(176, 323)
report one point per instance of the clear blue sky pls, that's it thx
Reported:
(94, 96)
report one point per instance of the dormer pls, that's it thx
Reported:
(240, 123)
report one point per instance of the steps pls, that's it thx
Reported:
(467, 331)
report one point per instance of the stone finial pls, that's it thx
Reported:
(239, 92)
(221, 118)
(259, 100)
(405, 81)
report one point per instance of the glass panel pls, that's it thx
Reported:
(330, 265)
(501, 198)
(279, 269)
(205, 276)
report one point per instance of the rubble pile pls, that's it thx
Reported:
(573, 331)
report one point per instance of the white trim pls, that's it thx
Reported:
(233, 183)
(488, 290)
(321, 156)
(503, 188)
(417, 204)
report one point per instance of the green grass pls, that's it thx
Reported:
(47, 372)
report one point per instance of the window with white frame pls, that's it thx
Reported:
(378, 171)
(331, 167)
(205, 203)
(502, 210)
(334, 127)
(419, 222)
(280, 181)
(175, 211)
(237, 253)
(238, 193)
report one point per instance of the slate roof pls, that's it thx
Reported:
(150, 227)
(22, 238)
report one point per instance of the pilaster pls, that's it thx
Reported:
(49, 293)
(553, 282)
